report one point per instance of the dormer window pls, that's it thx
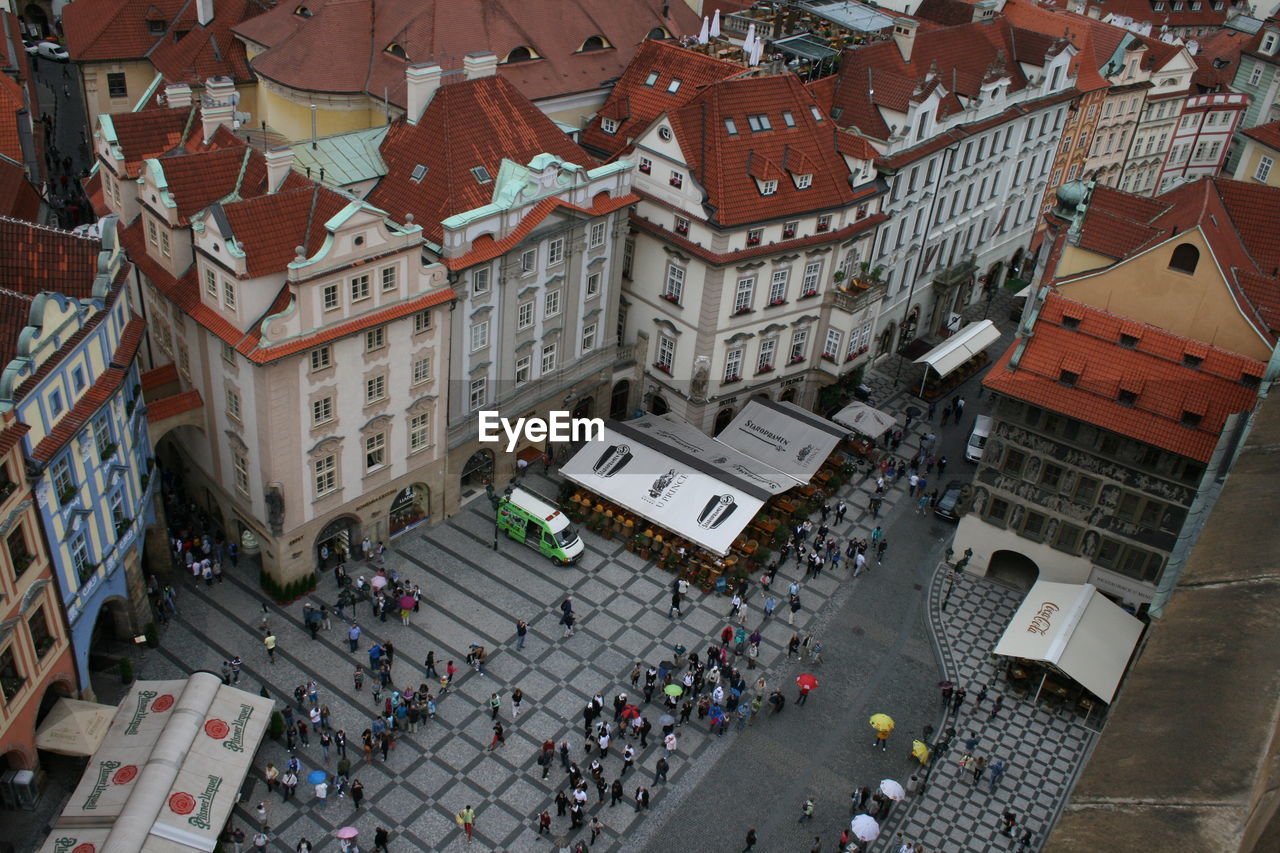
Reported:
(1069, 322)
(397, 51)
(1069, 378)
(673, 86)
(302, 12)
(1127, 398)
(759, 122)
(609, 125)
(1195, 5)
(1128, 341)
(1159, 7)
(676, 180)
(651, 79)
(419, 172)
(523, 53)
(768, 187)
(803, 182)
(1191, 420)
(1269, 43)
(155, 28)
(481, 174)
(594, 43)
(1177, 5)
(1191, 361)
(788, 119)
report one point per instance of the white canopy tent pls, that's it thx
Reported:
(959, 348)
(74, 727)
(169, 769)
(864, 419)
(679, 435)
(659, 480)
(784, 436)
(1077, 630)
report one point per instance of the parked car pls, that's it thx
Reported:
(49, 50)
(30, 46)
(948, 504)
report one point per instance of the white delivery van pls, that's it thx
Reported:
(978, 438)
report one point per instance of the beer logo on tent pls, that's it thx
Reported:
(162, 703)
(182, 803)
(804, 453)
(125, 775)
(660, 485)
(85, 848)
(216, 729)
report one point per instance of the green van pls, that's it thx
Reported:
(532, 520)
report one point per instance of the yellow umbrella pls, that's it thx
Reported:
(920, 751)
(882, 722)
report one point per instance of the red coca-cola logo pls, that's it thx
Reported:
(182, 803)
(124, 775)
(162, 703)
(217, 729)
(85, 848)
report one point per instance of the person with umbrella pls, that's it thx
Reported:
(920, 752)
(806, 683)
(467, 820)
(883, 725)
(406, 607)
(864, 828)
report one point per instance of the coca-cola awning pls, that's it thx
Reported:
(168, 772)
(661, 480)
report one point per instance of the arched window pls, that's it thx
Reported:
(594, 43)
(1184, 258)
(397, 51)
(520, 54)
(302, 12)
(658, 33)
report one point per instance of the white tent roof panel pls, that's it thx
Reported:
(784, 436)
(864, 419)
(961, 347)
(685, 437)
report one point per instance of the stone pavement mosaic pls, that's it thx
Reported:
(1043, 751)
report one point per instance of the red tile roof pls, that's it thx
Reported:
(486, 248)
(1153, 367)
(18, 199)
(1236, 218)
(270, 228)
(1144, 11)
(151, 133)
(206, 51)
(197, 180)
(467, 124)
(961, 58)
(39, 259)
(102, 390)
(158, 377)
(1218, 58)
(1267, 134)
(317, 53)
(12, 434)
(728, 164)
(174, 404)
(634, 102)
(1095, 41)
(100, 30)
(11, 102)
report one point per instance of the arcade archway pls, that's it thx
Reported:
(620, 401)
(1013, 568)
(334, 543)
(723, 419)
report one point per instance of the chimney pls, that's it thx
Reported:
(177, 95)
(984, 9)
(279, 162)
(904, 35)
(479, 64)
(421, 82)
(204, 12)
(218, 107)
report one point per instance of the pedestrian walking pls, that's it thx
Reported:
(751, 841)
(499, 737)
(978, 766)
(957, 701)
(1009, 819)
(495, 705)
(269, 643)
(806, 811)
(381, 840)
(522, 630)
(997, 772)
(660, 771)
(995, 708)
(353, 637)
(467, 820)
(544, 822)
(357, 792)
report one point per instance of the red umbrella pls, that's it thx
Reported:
(630, 712)
(806, 681)
(406, 602)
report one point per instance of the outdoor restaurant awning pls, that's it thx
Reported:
(1077, 630)
(673, 433)
(169, 769)
(657, 479)
(864, 420)
(74, 727)
(960, 347)
(784, 436)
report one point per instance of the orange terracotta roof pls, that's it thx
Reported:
(18, 198)
(1154, 368)
(11, 103)
(174, 404)
(151, 133)
(475, 123)
(205, 51)
(486, 248)
(635, 101)
(1218, 58)
(106, 385)
(92, 186)
(315, 52)
(157, 377)
(270, 228)
(11, 435)
(100, 30)
(196, 180)
(1266, 134)
(38, 259)
(1144, 11)
(729, 163)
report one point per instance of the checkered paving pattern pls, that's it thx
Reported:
(1043, 751)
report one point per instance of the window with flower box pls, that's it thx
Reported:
(733, 365)
(824, 223)
(768, 350)
(676, 180)
(754, 236)
(809, 286)
(41, 637)
(742, 296)
(789, 229)
(666, 353)
(799, 346)
(673, 287)
(19, 553)
(646, 165)
(682, 226)
(778, 287)
(11, 677)
(831, 346)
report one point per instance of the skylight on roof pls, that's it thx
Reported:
(730, 126)
(673, 85)
(419, 172)
(788, 119)
(817, 113)
(651, 79)
(760, 121)
(481, 174)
